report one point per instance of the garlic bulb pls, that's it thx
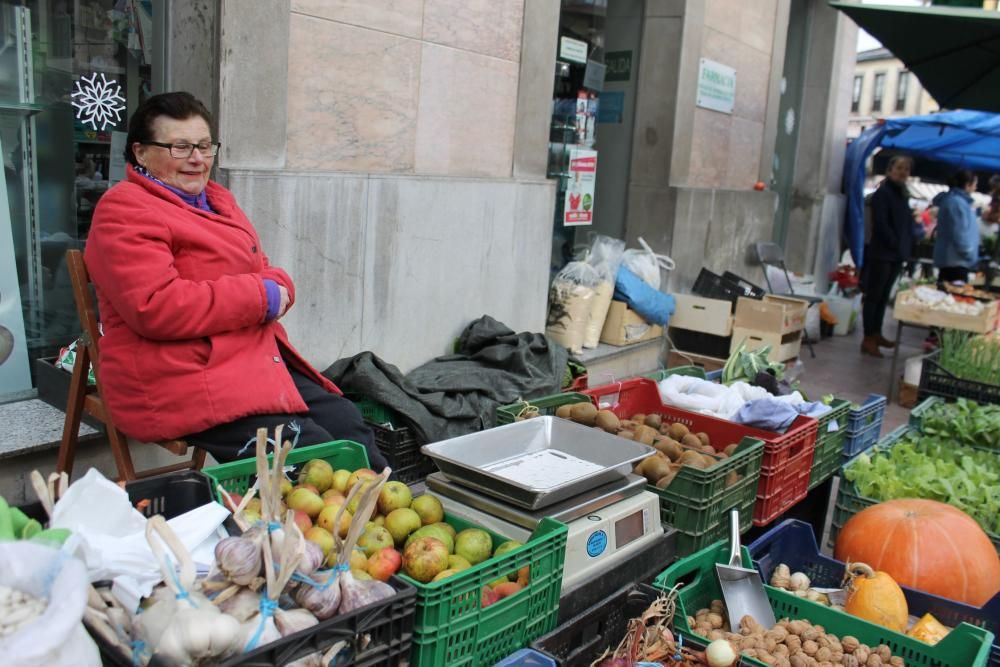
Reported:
(199, 636)
(799, 582)
(311, 559)
(322, 602)
(292, 621)
(355, 594)
(243, 606)
(238, 559)
(781, 576)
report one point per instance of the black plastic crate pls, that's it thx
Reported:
(581, 640)
(714, 286)
(937, 381)
(698, 342)
(401, 450)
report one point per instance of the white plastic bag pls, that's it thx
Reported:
(57, 637)
(605, 256)
(647, 264)
(570, 300)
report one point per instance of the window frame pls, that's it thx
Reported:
(878, 92)
(857, 89)
(902, 86)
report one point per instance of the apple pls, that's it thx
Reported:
(251, 516)
(437, 533)
(303, 521)
(354, 503)
(232, 502)
(444, 574)
(374, 539)
(509, 545)
(329, 514)
(317, 472)
(358, 560)
(311, 487)
(488, 597)
(447, 526)
(506, 589)
(394, 496)
(458, 563)
(358, 475)
(401, 523)
(379, 520)
(253, 505)
(340, 478)
(361, 575)
(305, 500)
(384, 563)
(425, 558)
(321, 538)
(497, 582)
(331, 496)
(429, 508)
(286, 486)
(474, 545)
(524, 576)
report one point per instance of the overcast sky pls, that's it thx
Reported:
(866, 41)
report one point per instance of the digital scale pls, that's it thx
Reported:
(606, 524)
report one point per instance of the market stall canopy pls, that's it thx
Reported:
(969, 139)
(955, 52)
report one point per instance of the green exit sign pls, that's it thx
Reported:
(619, 64)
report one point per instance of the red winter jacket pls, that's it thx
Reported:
(182, 304)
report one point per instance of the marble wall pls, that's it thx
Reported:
(404, 86)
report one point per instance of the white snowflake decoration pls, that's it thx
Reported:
(97, 101)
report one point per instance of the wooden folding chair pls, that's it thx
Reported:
(87, 398)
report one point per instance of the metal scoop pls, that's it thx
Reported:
(742, 589)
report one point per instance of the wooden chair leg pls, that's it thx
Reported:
(198, 459)
(74, 413)
(123, 459)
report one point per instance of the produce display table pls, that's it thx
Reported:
(909, 315)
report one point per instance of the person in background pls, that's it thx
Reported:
(891, 245)
(956, 247)
(190, 306)
(992, 215)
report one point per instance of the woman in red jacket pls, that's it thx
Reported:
(190, 306)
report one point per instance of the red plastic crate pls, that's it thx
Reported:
(786, 455)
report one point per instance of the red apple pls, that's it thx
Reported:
(234, 501)
(489, 596)
(384, 563)
(303, 521)
(506, 589)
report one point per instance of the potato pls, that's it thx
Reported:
(584, 413)
(691, 458)
(654, 421)
(678, 431)
(705, 440)
(731, 449)
(690, 440)
(645, 435)
(708, 449)
(563, 411)
(656, 469)
(669, 447)
(607, 421)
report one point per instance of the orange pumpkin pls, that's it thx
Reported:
(875, 597)
(926, 545)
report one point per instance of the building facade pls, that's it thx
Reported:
(882, 87)
(395, 155)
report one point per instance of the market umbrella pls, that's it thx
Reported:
(955, 52)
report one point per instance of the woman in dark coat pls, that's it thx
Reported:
(891, 245)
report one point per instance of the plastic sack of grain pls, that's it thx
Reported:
(570, 299)
(605, 256)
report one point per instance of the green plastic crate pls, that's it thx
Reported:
(375, 413)
(452, 629)
(829, 443)
(662, 374)
(965, 646)
(689, 542)
(917, 413)
(547, 405)
(239, 476)
(850, 501)
(696, 514)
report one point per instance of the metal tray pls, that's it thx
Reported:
(537, 462)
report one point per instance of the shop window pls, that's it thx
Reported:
(859, 81)
(71, 73)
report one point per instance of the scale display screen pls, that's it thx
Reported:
(629, 528)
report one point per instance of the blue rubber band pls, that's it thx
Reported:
(138, 650)
(273, 526)
(267, 607)
(330, 580)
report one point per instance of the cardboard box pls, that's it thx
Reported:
(783, 348)
(698, 342)
(986, 321)
(681, 358)
(624, 326)
(773, 314)
(697, 313)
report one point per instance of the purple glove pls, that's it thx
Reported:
(273, 299)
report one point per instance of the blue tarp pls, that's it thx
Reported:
(967, 139)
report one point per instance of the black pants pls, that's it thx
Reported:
(879, 278)
(951, 274)
(330, 417)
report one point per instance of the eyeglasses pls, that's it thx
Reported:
(184, 151)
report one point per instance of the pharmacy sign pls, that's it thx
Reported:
(716, 86)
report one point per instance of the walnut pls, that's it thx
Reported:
(849, 643)
(811, 634)
(748, 643)
(799, 661)
(849, 661)
(781, 650)
(826, 664)
(703, 629)
(779, 633)
(861, 653)
(794, 643)
(770, 644)
(884, 652)
(715, 634)
(810, 647)
(692, 622)
(836, 657)
(715, 620)
(823, 654)
(874, 660)
(797, 627)
(766, 657)
(896, 661)
(749, 652)
(782, 661)
(824, 641)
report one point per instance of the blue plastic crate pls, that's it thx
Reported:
(793, 543)
(871, 411)
(526, 657)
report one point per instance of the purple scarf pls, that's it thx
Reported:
(199, 201)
